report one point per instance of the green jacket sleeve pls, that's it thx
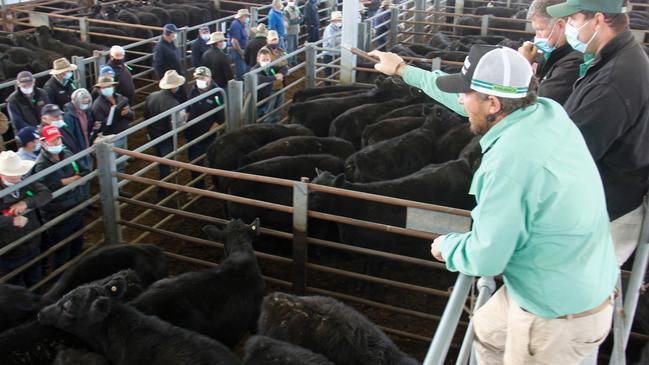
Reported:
(425, 80)
(499, 226)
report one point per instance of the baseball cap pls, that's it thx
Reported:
(51, 109)
(105, 69)
(26, 135)
(575, 6)
(170, 28)
(204, 29)
(491, 70)
(202, 71)
(50, 133)
(25, 77)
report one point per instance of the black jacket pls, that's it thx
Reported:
(126, 87)
(263, 78)
(100, 111)
(58, 93)
(199, 47)
(558, 73)
(25, 112)
(35, 196)
(253, 47)
(166, 57)
(53, 182)
(220, 64)
(610, 105)
(201, 107)
(156, 103)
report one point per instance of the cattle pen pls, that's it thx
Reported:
(430, 315)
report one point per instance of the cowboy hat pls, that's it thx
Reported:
(12, 165)
(261, 30)
(61, 65)
(216, 37)
(171, 80)
(336, 15)
(272, 34)
(242, 12)
(105, 80)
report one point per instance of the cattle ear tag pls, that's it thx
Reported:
(113, 289)
(254, 228)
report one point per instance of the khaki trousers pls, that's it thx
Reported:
(625, 232)
(506, 334)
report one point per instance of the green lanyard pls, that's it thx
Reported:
(29, 193)
(128, 67)
(75, 167)
(272, 71)
(218, 100)
(588, 59)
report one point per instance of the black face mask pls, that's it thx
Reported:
(273, 46)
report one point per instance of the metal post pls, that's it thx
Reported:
(108, 192)
(362, 36)
(486, 287)
(420, 7)
(234, 104)
(99, 59)
(176, 121)
(484, 24)
(459, 10)
(368, 35)
(394, 26)
(254, 16)
(436, 64)
(83, 29)
(80, 73)
(250, 87)
(349, 38)
(300, 244)
(181, 43)
(618, 353)
(436, 18)
(448, 323)
(309, 65)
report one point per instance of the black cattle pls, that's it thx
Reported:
(287, 167)
(498, 11)
(79, 357)
(444, 184)
(28, 41)
(34, 343)
(71, 38)
(328, 327)
(228, 148)
(472, 153)
(389, 128)
(161, 14)
(17, 305)
(300, 145)
(350, 124)
(262, 350)
(451, 143)
(221, 302)
(306, 94)
(148, 261)
(128, 337)
(317, 115)
(46, 41)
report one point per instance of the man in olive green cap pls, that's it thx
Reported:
(609, 104)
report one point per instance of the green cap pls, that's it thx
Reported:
(575, 6)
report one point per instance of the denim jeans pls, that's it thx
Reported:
(291, 46)
(121, 143)
(240, 65)
(162, 149)
(61, 231)
(26, 278)
(270, 105)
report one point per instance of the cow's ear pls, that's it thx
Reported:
(339, 181)
(255, 227)
(213, 233)
(117, 287)
(99, 309)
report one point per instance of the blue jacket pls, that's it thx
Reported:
(166, 57)
(311, 16)
(276, 22)
(198, 48)
(74, 127)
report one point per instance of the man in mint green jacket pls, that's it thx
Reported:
(540, 218)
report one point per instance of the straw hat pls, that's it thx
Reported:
(12, 165)
(242, 12)
(261, 30)
(336, 15)
(216, 37)
(171, 80)
(272, 34)
(105, 80)
(62, 65)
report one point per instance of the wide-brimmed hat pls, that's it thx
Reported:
(105, 81)
(171, 80)
(61, 65)
(216, 37)
(242, 12)
(336, 15)
(12, 165)
(272, 34)
(261, 30)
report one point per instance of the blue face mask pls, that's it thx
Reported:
(205, 37)
(543, 44)
(55, 150)
(68, 75)
(37, 147)
(572, 36)
(59, 123)
(108, 91)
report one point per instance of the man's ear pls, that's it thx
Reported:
(99, 309)
(494, 105)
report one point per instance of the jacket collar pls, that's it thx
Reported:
(489, 139)
(614, 46)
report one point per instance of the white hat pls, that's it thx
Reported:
(12, 165)
(171, 80)
(216, 37)
(272, 34)
(336, 15)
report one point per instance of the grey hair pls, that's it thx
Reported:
(539, 8)
(78, 95)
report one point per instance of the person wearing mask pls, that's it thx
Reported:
(24, 105)
(535, 182)
(61, 85)
(217, 61)
(381, 24)
(79, 120)
(166, 56)
(293, 19)
(121, 73)
(557, 64)
(268, 76)
(609, 104)
(276, 21)
(159, 102)
(53, 152)
(250, 54)
(104, 70)
(239, 41)
(204, 83)
(19, 218)
(282, 67)
(52, 115)
(200, 46)
(332, 38)
(29, 142)
(312, 20)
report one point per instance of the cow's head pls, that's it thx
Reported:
(77, 311)
(236, 236)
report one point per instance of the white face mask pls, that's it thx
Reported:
(55, 150)
(27, 90)
(205, 37)
(290, 3)
(37, 147)
(84, 106)
(59, 123)
(202, 84)
(7, 183)
(263, 63)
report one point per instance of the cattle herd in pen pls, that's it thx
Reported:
(119, 305)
